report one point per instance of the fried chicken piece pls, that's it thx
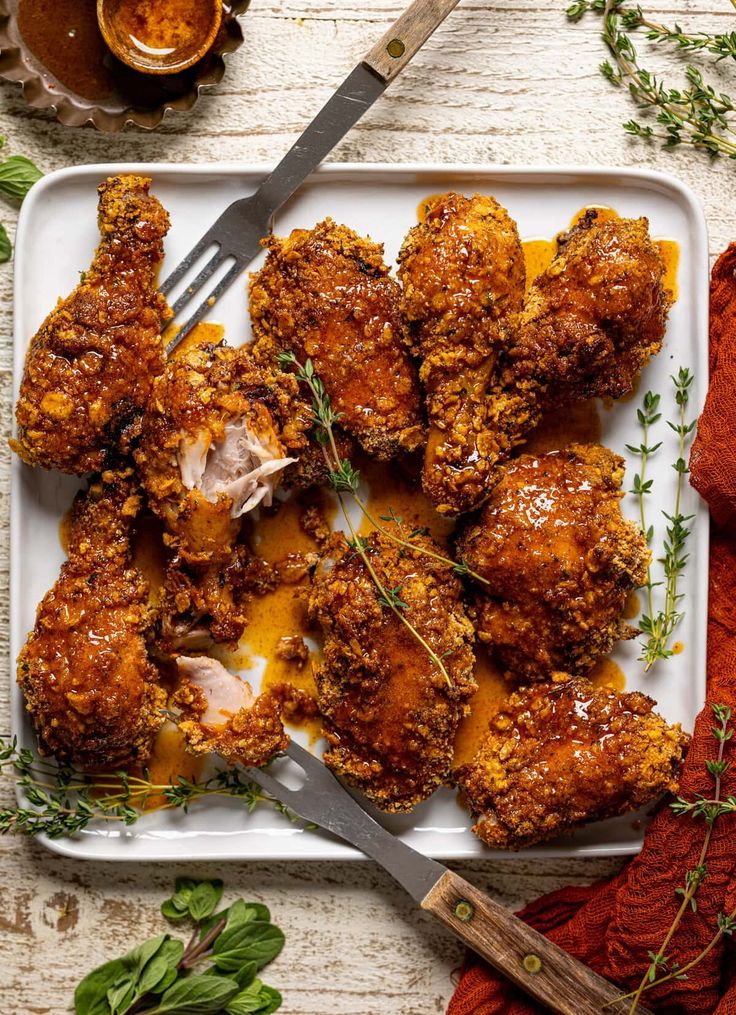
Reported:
(221, 715)
(90, 368)
(90, 687)
(463, 275)
(590, 323)
(217, 435)
(559, 560)
(390, 716)
(325, 294)
(559, 755)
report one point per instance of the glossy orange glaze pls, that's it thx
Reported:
(632, 608)
(149, 553)
(579, 424)
(670, 253)
(169, 760)
(65, 37)
(395, 486)
(492, 690)
(603, 213)
(538, 255)
(425, 205)
(162, 28)
(281, 613)
(607, 673)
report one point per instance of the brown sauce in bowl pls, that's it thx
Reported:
(65, 37)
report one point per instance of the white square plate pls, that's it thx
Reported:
(56, 237)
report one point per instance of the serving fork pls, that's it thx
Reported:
(540, 968)
(237, 233)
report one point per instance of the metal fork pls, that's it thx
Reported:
(237, 233)
(531, 961)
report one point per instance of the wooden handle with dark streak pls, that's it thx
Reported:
(407, 35)
(540, 968)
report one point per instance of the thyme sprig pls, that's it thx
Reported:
(696, 115)
(659, 627)
(344, 479)
(61, 800)
(662, 966)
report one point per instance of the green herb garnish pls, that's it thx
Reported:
(157, 977)
(344, 479)
(659, 627)
(59, 800)
(697, 114)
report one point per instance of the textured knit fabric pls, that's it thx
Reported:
(612, 926)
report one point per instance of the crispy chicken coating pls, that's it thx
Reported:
(463, 275)
(559, 559)
(591, 321)
(217, 435)
(559, 755)
(90, 686)
(90, 368)
(220, 714)
(389, 714)
(325, 294)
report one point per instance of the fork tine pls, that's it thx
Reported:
(193, 288)
(208, 240)
(271, 785)
(225, 282)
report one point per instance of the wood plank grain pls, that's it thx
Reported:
(507, 81)
(406, 36)
(542, 969)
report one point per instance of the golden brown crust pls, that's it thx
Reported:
(390, 716)
(90, 367)
(463, 275)
(250, 737)
(325, 294)
(559, 559)
(594, 318)
(90, 686)
(559, 755)
(194, 400)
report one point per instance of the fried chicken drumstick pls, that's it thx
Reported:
(325, 294)
(90, 686)
(559, 755)
(219, 713)
(560, 561)
(217, 435)
(389, 715)
(90, 368)
(590, 323)
(463, 275)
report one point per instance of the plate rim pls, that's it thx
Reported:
(566, 174)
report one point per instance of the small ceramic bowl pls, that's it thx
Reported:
(159, 38)
(129, 96)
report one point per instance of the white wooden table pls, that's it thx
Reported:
(511, 82)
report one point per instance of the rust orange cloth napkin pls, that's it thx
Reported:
(613, 925)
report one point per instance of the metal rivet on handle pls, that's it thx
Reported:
(395, 48)
(464, 910)
(532, 963)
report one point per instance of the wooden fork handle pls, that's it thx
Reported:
(406, 36)
(536, 965)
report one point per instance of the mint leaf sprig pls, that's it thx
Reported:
(17, 176)
(157, 977)
(62, 800)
